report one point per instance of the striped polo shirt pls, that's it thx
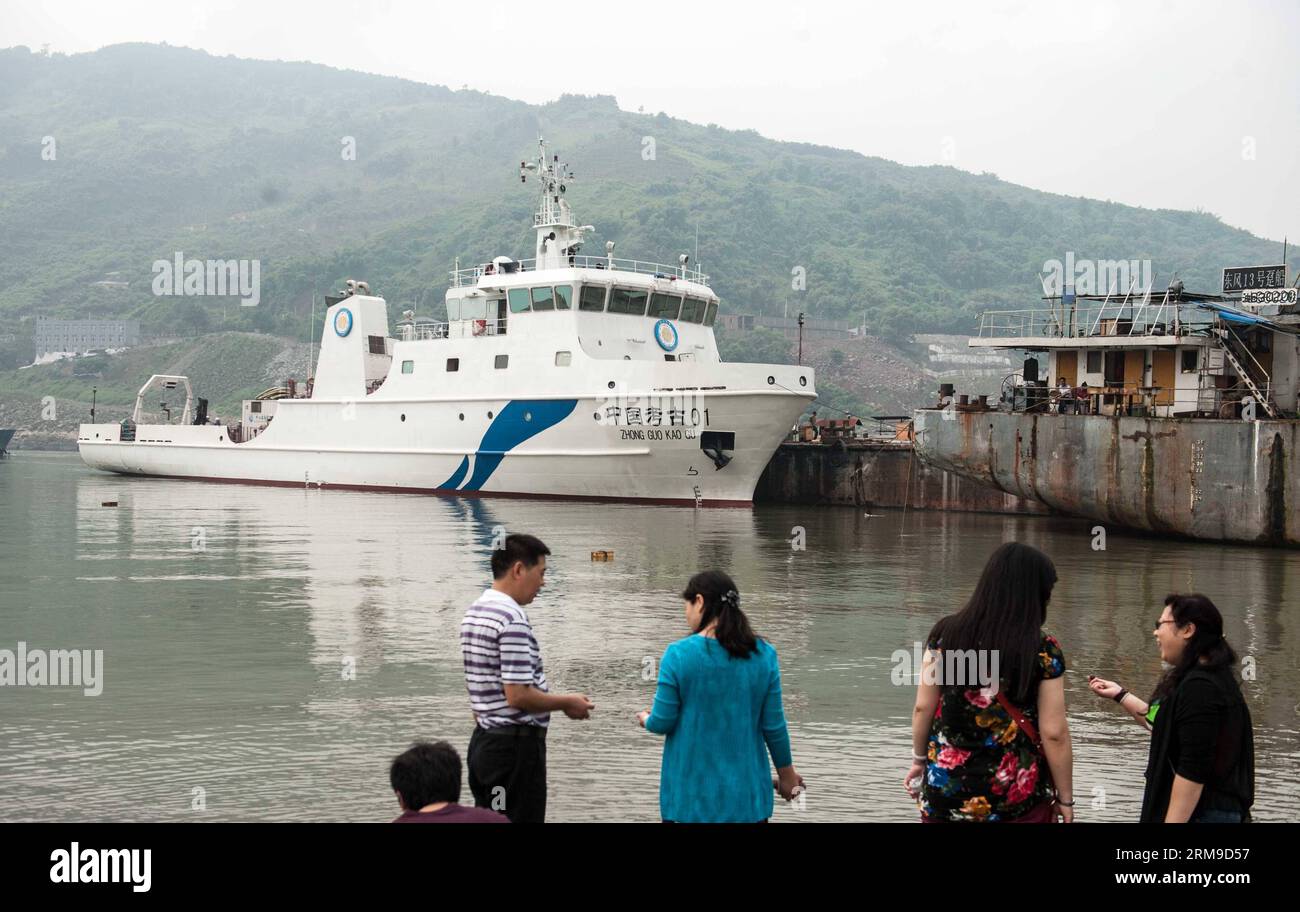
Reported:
(499, 648)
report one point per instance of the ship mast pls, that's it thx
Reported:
(558, 236)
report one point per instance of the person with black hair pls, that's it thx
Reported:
(1201, 767)
(990, 740)
(718, 701)
(507, 686)
(426, 780)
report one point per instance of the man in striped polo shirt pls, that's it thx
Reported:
(507, 687)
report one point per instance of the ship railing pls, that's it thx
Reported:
(1088, 322)
(423, 332)
(472, 274)
(1228, 402)
(555, 218)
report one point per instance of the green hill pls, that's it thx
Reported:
(160, 149)
(157, 149)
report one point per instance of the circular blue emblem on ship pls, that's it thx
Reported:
(343, 322)
(666, 335)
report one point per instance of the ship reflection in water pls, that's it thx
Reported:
(267, 651)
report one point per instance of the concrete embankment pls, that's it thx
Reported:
(876, 474)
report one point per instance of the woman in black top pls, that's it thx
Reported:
(1202, 763)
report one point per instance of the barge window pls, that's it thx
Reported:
(563, 297)
(518, 298)
(543, 298)
(503, 361)
(408, 367)
(563, 359)
(711, 313)
(627, 301)
(664, 306)
(593, 298)
(1189, 360)
(453, 365)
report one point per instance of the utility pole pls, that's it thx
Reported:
(800, 337)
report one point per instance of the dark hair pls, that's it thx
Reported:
(426, 774)
(1207, 642)
(722, 603)
(1006, 614)
(526, 548)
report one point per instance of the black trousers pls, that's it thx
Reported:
(507, 771)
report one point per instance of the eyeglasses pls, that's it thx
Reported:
(1160, 621)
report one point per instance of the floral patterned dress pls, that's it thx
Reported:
(981, 766)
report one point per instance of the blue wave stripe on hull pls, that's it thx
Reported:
(510, 428)
(457, 476)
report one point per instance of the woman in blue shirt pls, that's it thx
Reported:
(719, 703)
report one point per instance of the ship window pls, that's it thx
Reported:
(563, 297)
(592, 298)
(543, 298)
(503, 361)
(255, 407)
(1094, 362)
(518, 300)
(692, 310)
(408, 367)
(1189, 360)
(627, 301)
(711, 313)
(376, 345)
(563, 359)
(664, 306)
(453, 364)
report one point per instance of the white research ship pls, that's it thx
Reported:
(562, 376)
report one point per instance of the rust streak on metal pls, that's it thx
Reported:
(1148, 436)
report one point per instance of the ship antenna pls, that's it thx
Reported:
(558, 235)
(553, 176)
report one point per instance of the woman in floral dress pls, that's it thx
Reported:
(990, 740)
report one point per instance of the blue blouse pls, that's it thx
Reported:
(722, 716)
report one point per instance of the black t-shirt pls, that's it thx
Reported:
(1202, 732)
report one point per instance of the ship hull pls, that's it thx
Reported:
(551, 448)
(1215, 480)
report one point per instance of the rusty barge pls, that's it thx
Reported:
(1175, 414)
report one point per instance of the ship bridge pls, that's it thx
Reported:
(614, 308)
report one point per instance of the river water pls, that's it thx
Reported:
(267, 651)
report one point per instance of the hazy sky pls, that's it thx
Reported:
(1186, 105)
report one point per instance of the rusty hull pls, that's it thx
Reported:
(1218, 480)
(867, 474)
